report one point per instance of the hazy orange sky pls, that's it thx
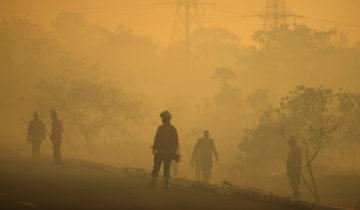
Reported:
(143, 18)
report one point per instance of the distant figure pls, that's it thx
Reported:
(202, 157)
(35, 134)
(165, 146)
(56, 135)
(293, 166)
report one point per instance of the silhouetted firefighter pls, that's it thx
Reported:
(293, 166)
(165, 146)
(35, 134)
(202, 158)
(56, 135)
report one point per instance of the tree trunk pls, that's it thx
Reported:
(316, 193)
(307, 184)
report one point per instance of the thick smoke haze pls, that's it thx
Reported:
(110, 68)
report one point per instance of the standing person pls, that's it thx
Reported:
(35, 134)
(165, 146)
(293, 166)
(56, 135)
(202, 157)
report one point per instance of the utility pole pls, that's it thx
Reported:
(275, 14)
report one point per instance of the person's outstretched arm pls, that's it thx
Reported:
(176, 138)
(214, 150)
(156, 141)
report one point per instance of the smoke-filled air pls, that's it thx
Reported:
(180, 104)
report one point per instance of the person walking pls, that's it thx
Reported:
(202, 158)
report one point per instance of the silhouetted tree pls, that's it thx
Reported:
(310, 114)
(88, 107)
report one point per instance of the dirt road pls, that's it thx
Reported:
(25, 184)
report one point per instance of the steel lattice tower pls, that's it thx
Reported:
(275, 14)
(186, 20)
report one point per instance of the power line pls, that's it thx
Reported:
(332, 22)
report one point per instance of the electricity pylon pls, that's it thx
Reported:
(275, 14)
(187, 18)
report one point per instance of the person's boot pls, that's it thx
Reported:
(152, 184)
(166, 183)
